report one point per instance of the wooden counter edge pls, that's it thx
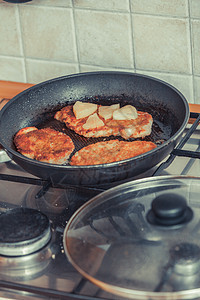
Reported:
(194, 108)
(9, 89)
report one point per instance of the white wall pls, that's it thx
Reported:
(43, 39)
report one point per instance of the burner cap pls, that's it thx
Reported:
(186, 257)
(23, 231)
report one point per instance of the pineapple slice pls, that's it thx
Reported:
(106, 112)
(127, 112)
(83, 109)
(93, 121)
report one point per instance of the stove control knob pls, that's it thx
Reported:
(169, 209)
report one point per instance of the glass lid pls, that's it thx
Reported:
(141, 239)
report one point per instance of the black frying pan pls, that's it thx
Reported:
(37, 105)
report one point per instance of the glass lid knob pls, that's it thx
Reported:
(169, 209)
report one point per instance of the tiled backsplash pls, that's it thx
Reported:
(43, 39)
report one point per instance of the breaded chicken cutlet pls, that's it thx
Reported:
(97, 122)
(46, 145)
(110, 151)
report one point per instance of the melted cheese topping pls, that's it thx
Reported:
(106, 112)
(93, 121)
(83, 109)
(127, 112)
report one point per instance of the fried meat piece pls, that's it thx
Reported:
(67, 116)
(46, 145)
(139, 127)
(110, 151)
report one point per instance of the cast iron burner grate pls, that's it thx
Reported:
(178, 150)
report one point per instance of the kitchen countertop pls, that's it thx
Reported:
(9, 89)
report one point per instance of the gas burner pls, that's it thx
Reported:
(54, 201)
(186, 259)
(58, 203)
(27, 245)
(185, 267)
(23, 231)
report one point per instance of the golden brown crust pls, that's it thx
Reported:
(46, 145)
(139, 127)
(110, 151)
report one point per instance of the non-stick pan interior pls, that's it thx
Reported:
(37, 105)
(164, 125)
